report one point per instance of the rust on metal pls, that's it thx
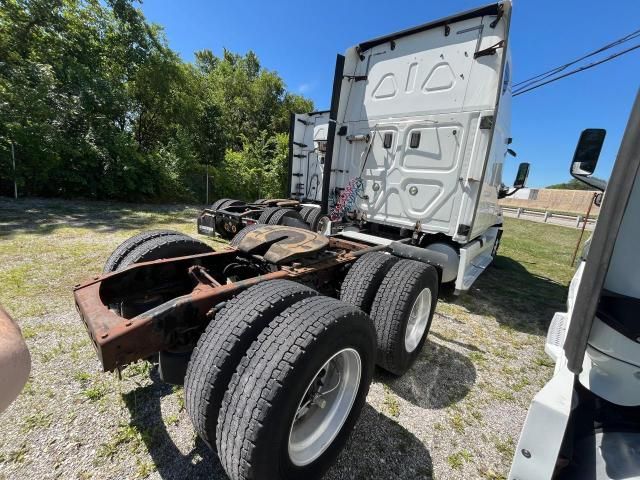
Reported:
(283, 244)
(342, 244)
(174, 298)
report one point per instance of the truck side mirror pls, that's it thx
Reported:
(587, 152)
(521, 176)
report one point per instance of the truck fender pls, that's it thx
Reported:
(442, 256)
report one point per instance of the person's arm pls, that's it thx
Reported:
(15, 361)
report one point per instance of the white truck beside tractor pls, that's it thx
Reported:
(585, 422)
(394, 191)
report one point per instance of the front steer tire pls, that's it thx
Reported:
(223, 344)
(392, 310)
(258, 409)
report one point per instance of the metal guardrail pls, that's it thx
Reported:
(546, 215)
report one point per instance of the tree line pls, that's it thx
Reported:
(96, 105)
(572, 184)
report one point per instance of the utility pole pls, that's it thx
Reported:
(207, 175)
(584, 224)
(15, 174)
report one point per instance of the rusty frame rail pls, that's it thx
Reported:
(120, 341)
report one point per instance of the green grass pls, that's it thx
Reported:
(391, 403)
(544, 250)
(172, 419)
(528, 280)
(458, 459)
(126, 435)
(82, 377)
(95, 392)
(36, 421)
(180, 396)
(505, 447)
(457, 422)
(144, 469)
(141, 368)
(48, 246)
(18, 455)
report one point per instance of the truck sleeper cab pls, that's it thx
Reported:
(413, 145)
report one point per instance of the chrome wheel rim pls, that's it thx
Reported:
(324, 407)
(323, 226)
(418, 320)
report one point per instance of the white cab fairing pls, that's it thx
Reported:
(422, 124)
(435, 104)
(308, 144)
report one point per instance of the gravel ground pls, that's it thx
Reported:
(455, 415)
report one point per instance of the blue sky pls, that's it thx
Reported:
(300, 40)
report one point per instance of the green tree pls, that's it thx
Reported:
(573, 184)
(98, 106)
(258, 169)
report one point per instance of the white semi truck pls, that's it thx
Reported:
(413, 147)
(585, 422)
(275, 337)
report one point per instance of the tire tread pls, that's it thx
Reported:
(388, 311)
(262, 373)
(363, 279)
(168, 246)
(126, 247)
(225, 341)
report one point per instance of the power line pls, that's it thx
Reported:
(560, 68)
(572, 72)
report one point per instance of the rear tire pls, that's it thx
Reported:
(306, 211)
(316, 219)
(223, 344)
(266, 215)
(168, 246)
(278, 217)
(402, 312)
(218, 203)
(235, 241)
(114, 260)
(263, 414)
(363, 279)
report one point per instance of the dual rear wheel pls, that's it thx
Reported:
(278, 380)
(280, 375)
(400, 296)
(312, 216)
